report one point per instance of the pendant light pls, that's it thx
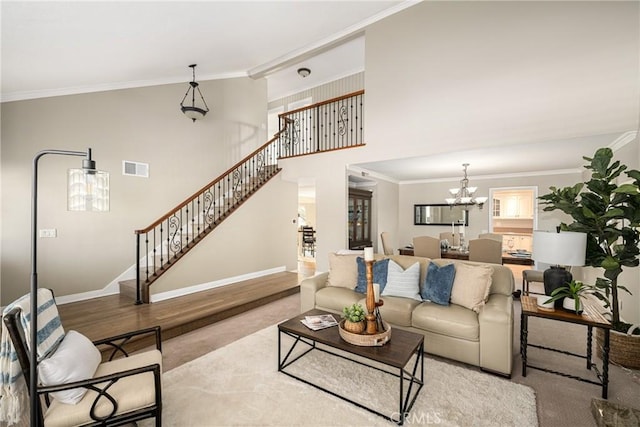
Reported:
(465, 194)
(192, 111)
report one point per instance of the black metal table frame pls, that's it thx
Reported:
(602, 377)
(405, 400)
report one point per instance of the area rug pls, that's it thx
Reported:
(239, 385)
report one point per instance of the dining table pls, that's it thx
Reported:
(518, 258)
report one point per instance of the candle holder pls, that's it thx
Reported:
(372, 304)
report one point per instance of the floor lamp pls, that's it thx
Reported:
(88, 190)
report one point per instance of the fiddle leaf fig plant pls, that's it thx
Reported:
(609, 213)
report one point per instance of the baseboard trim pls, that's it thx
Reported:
(162, 296)
(109, 290)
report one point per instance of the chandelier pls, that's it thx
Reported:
(464, 194)
(192, 111)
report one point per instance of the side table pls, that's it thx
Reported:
(590, 317)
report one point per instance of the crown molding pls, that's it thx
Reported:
(77, 90)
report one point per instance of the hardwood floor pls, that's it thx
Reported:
(112, 315)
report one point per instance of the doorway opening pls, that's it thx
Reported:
(514, 214)
(306, 228)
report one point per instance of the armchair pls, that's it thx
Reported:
(120, 391)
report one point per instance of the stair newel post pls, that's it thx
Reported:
(138, 299)
(372, 327)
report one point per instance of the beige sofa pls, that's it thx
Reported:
(483, 338)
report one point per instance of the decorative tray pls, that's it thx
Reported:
(364, 339)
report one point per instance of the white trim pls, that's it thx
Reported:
(215, 284)
(76, 90)
(497, 176)
(110, 289)
(623, 140)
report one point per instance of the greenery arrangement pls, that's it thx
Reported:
(354, 313)
(610, 216)
(574, 290)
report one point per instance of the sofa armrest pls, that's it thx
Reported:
(308, 289)
(496, 334)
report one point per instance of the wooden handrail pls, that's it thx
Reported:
(215, 181)
(319, 104)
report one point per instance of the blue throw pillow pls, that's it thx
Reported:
(380, 269)
(438, 284)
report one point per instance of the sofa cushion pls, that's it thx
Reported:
(471, 285)
(403, 283)
(396, 310)
(452, 320)
(336, 298)
(343, 271)
(438, 284)
(380, 269)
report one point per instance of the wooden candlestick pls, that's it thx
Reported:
(372, 326)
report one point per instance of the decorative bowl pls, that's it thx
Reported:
(364, 339)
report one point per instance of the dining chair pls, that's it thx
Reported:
(308, 240)
(426, 246)
(387, 246)
(492, 236)
(485, 250)
(76, 387)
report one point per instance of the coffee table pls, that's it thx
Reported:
(395, 355)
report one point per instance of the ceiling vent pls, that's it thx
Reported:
(135, 169)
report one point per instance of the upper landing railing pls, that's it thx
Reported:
(329, 125)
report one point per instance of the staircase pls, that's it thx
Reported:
(330, 125)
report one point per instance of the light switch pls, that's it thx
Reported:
(48, 232)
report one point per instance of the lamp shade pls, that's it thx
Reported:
(88, 190)
(566, 248)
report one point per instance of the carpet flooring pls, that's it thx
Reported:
(239, 384)
(561, 402)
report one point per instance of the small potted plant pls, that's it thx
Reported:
(354, 318)
(571, 295)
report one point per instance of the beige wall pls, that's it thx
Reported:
(432, 86)
(144, 125)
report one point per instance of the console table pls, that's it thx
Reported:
(590, 318)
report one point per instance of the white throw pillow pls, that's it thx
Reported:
(471, 285)
(75, 359)
(403, 283)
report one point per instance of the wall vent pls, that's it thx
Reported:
(135, 169)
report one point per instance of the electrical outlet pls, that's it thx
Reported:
(48, 232)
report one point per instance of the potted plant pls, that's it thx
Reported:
(609, 213)
(354, 318)
(571, 295)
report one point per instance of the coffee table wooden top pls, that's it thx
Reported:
(397, 352)
(590, 316)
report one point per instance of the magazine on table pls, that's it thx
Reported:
(319, 322)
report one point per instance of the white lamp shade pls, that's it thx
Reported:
(564, 248)
(481, 200)
(88, 190)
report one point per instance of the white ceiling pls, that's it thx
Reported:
(59, 48)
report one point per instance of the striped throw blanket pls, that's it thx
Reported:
(50, 334)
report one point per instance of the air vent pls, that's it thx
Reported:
(135, 169)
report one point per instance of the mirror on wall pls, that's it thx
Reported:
(439, 214)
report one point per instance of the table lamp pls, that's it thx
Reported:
(559, 249)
